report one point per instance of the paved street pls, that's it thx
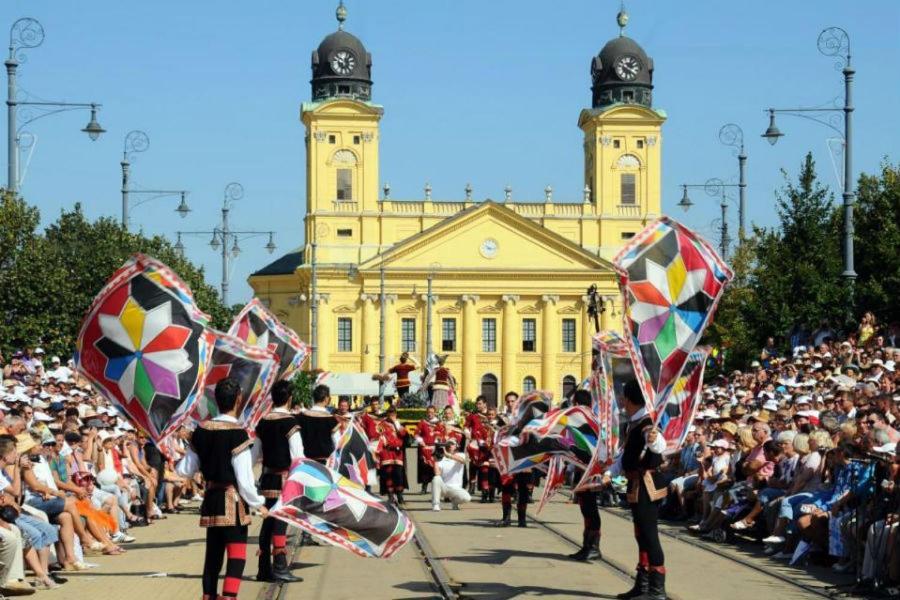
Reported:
(481, 562)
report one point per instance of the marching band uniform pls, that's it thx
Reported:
(220, 450)
(392, 469)
(482, 443)
(426, 435)
(639, 461)
(278, 443)
(473, 424)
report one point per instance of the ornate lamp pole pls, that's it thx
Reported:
(833, 42)
(714, 187)
(25, 34)
(135, 142)
(732, 135)
(223, 235)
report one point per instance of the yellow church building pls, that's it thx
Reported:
(507, 279)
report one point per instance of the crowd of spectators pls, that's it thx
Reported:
(75, 477)
(800, 453)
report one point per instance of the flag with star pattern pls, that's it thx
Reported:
(337, 510)
(672, 281)
(257, 326)
(253, 368)
(145, 345)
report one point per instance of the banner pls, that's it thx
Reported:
(145, 345)
(327, 505)
(254, 369)
(257, 326)
(676, 417)
(672, 281)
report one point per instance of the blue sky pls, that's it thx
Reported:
(474, 91)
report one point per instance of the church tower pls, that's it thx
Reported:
(622, 141)
(342, 140)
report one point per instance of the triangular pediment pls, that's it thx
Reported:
(344, 309)
(489, 310)
(529, 310)
(449, 310)
(488, 237)
(568, 310)
(409, 309)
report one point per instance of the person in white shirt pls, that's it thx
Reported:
(448, 478)
(220, 449)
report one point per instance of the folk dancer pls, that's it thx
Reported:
(402, 370)
(220, 450)
(317, 426)
(440, 384)
(426, 433)
(278, 444)
(641, 456)
(482, 456)
(392, 467)
(472, 426)
(587, 503)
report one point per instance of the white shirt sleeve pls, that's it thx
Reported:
(296, 444)
(189, 464)
(657, 447)
(243, 471)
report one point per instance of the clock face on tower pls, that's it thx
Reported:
(488, 248)
(627, 67)
(342, 62)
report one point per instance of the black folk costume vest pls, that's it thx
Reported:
(215, 443)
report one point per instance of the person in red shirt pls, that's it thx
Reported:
(426, 435)
(402, 371)
(393, 469)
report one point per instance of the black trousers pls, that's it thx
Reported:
(271, 529)
(519, 486)
(645, 514)
(590, 512)
(219, 542)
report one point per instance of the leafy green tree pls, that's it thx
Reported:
(48, 281)
(797, 280)
(733, 331)
(877, 243)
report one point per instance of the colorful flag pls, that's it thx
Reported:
(612, 370)
(556, 477)
(530, 406)
(569, 433)
(678, 413)
(146, 345)
(672, 281)
(335, 509)
(254, 369)
(352, 456)
(257, 326)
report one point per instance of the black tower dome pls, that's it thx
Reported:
(622, 72)
(341, 67)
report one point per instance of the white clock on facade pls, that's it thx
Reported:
(488, 248)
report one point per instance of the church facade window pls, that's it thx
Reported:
(345, 184)
(345, 334)
(628, 189)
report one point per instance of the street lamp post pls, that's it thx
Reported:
(137, 141)
(833, 42)
(27, 33)
(732, 135)
(223, 235)
(714, 187)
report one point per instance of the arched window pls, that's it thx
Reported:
(568, 385)
(629, 164)
(345, 161)
(489, 389)
(528, 384)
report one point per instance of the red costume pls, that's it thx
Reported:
(426, 436)
(391, 454)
